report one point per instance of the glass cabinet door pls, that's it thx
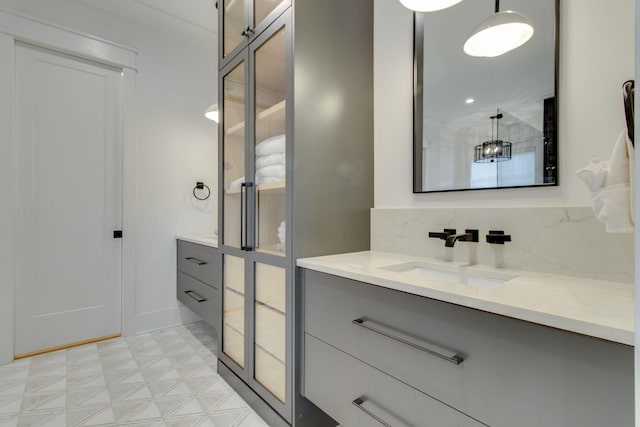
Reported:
(233, 23)
(253, 194)
(233, 325)
(270, 144)
(262, 9)
(270, 329)
(233, 120)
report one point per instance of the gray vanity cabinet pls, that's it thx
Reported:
(295, 180)
(356, 394)
(198, 280)
(497, 370)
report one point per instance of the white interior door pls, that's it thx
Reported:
(69, 199)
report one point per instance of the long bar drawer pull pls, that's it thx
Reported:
(367, 406)
(195, 296)
(432, 349)
(196, 261)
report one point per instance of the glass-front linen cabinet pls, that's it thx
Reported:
(295, 179)
(254, 223)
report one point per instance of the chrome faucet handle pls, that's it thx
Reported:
(442, 236)
(498, 237)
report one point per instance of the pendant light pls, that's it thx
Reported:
(428, 5)
(499, 33)
(212, 113)
(494, 150)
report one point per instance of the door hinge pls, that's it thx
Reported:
(117, 234)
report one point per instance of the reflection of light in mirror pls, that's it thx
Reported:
(428, 5)
(469, 101)
(498, 34)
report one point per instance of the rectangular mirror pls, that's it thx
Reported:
(484, 122)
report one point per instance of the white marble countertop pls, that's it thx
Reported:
(591, 307)
(210, 240)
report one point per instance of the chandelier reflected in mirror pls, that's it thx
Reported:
(494, 150)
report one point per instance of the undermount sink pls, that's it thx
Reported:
(453, 273)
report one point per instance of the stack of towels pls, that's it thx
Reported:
(281, 237)
(270, 160)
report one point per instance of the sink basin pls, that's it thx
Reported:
(453, 273)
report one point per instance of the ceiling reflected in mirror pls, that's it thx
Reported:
(455, 96)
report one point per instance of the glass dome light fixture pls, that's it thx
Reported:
(495, 150)
(212, 113)
(499, 33)
(428, 5)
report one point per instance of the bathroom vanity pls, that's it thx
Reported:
(403, 341)
(198, 280)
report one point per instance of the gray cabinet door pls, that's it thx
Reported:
(357, 395)
(514, 373)
(241, 21)
(255, 208)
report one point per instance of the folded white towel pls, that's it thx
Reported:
(275, 144)
(271, 159)
(610, 184)
(282, 232)
(236, 184)
(273, 171)
(268, 180)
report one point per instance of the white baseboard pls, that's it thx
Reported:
(150, 321)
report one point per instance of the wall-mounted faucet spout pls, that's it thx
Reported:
(468, 236)
(442, 236)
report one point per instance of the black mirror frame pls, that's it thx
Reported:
(551, 135)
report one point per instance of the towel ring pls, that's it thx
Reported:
(201, 187)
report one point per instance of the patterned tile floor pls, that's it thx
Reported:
(162, 378)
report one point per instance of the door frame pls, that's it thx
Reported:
(15, 27)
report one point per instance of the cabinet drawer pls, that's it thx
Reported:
(512, 372)
(334, 380)
(199, 297)
(198, 261)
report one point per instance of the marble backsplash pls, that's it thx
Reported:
(560, 240)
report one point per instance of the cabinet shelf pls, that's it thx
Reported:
(275, 358)
(281, 185)
(264, 114)
(271, 250)
(276, 108)
(270, 307)
(232, 191)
